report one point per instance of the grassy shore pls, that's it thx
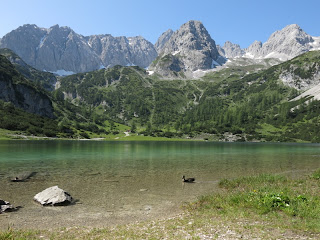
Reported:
(258, 207)
(16, 135)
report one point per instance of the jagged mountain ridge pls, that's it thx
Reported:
(60, 48)
(284, 44)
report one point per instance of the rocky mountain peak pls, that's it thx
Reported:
(188, 49)
(287, 43)
(290, 33)
(284, 44)
(232, 50)
(253, 50)
(191, 36)
(162, 40)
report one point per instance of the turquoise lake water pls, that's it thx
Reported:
(120, 182)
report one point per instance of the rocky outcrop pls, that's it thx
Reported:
(194, 48)
(17, 90)
(53, 196)
(162, 40)
(60, 48)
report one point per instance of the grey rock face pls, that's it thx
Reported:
(53, 196)
(162, 40)
(232, 50)
(285, 44)
(24, 41)
(254, 49)
(27, 98)
(21, 93)
(194, 48)
(291, 41)
(221, 51)
(60, 48)
(122, 50)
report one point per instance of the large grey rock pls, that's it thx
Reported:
(5, 206)
(53, 196)
(60, 48)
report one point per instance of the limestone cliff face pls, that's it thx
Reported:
(122, 50)
(191, 46)
(60, 48)
(17, 90)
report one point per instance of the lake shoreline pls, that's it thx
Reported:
(118, 186)
(204, 218)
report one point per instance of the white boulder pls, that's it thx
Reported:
(53, 196)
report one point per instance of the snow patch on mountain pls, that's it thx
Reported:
(41, 41)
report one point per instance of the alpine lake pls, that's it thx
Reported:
(123, 182)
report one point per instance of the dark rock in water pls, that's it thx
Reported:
(22, 177)
(6, 206)
(53, 196)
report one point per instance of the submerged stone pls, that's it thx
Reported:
(53, 196)
(22, 177)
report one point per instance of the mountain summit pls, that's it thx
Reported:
(188, 49)
(284, 44)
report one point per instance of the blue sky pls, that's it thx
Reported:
(239, 21)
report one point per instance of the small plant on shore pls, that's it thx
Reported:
(316, 174)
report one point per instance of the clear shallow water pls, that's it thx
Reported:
(120, 182)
